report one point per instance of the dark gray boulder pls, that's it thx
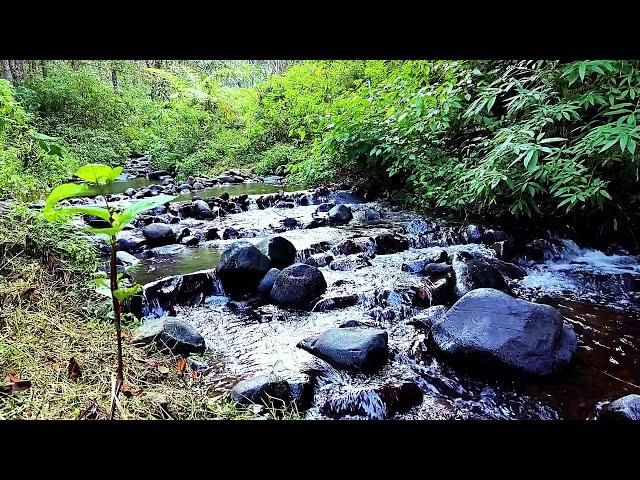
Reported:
(625, 408)
(489, 329)
(241, 268)
(201, 210)
(420, 227)
(436, 269)
(471, 273)
(377, 403)
(428, 317)
(349, 348)
(177, 335)
(280, 250)
(340, 215)
(298, 285)
(274, 391)
(387, 243)
(325, 207)
(266, 284)
(158, 234)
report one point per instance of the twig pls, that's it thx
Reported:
(616, 378)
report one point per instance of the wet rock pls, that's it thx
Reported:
(335, 302)
(157, 174)
(345, 247)
(377, 403)
(210, 233)
(325, 207)
(266, 284)
(280, 250)
(201, 210)
(283, 204)
(177, 335)
(226, 179)
(159, 298)
(349, 348)
(185, 191)
(315, 223)
(124, 258)
(436, 269)
(350, 262)
(355, 324)
(289, 222)
(340, 215)
(296, 286)
(131, 243)
(241, 268)
(414, 266)
(489, 329)
(435, 292)
(489, 237)
(371, 214)
(625, 408)
(181, 232)
(319, 260)
(198, 186)
(507, 269)
(428, 317)
(387, 243)
(471, 273)
(130, 192)
(230, 233)
(420, 227)
(168, 181)
(158, 234)
(541, 250)
(274, 391)
(190, 241)
(473, 233)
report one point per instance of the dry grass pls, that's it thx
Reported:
(47, 318)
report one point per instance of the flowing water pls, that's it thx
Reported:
(596, 293)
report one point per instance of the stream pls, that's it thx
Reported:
(597, 295)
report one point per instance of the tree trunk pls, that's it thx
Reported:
(114, 79)
(6, 71)
(43, 66)
(75, 64)
(17, 71)
(116, 313)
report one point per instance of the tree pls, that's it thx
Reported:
(117, 218)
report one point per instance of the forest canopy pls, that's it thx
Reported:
(527, 137)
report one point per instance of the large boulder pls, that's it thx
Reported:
(340, 214)
(296, 286)
(471, 273)
(389, 243)
(488, 328)
(274, 391)
(201, 210)
(158, 235)
(625, 408)
(349, 348)
(241, 268)
(280, 250)
(266, 284)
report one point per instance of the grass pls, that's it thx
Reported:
(49, 315)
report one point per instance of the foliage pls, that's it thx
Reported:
(116, 218)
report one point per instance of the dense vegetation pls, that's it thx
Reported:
(528, 137)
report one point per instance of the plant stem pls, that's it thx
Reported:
(116, 315)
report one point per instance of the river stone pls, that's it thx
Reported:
(428, 317)
(158, 234)
(296, 286)
(321, 259)
(280, 250)
(489, 329)
(177, 335)
(371, 214)
(325, 207)
(625, 408)
(157, 174)
(201, 210)
(266, 284)
(241, 268)
(340, 214)
(435, 269)
(198, 186)
(471, 273)
(125, 258)
(130, 192)
(473, 233)
(271, 390)
(132, 243)
(349, 348)
(190, 241)
(350, 262)
(420, 227)
(387, 243)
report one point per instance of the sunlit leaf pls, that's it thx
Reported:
(123, 293)
(95, 172)
(149, 203)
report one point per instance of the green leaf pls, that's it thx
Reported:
(609, 144)
(102, 213)
(490, 104)
(55, 150)
(582, 70)
(605, 194)
(104, 231)
(95, 172)
(115, 173)
(102, 286)
(123, 293)
(42, 136)
(623, 142)
(631, 146)
(554, 139)
(66, 190)
(130, 213)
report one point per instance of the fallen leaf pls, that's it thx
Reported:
(138, 358)
(56, 367)
(90, 411)
(127, 392)
(162, 369)
(14, 379)
(181, 364)
(15, 385)
(195, 373)
(123, 335)
(74, 369)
